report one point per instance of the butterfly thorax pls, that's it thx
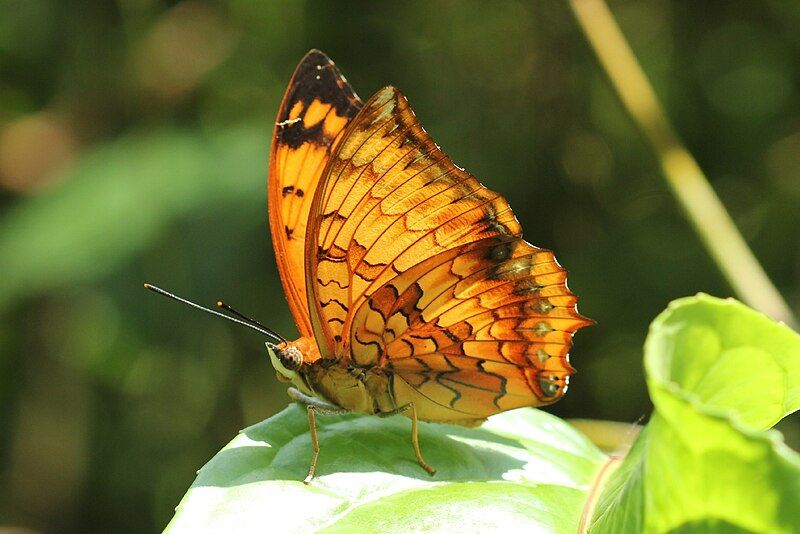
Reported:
(359, 389)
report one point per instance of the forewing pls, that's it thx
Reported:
(389, 200)
(475, 330)
(317, 106)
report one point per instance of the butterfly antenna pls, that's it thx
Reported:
(230, 309)
(256, 326)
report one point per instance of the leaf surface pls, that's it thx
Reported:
(720, 375)
(523, 469)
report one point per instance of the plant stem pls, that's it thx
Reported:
(688, 183)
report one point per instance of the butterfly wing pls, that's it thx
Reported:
(389, 200)
(478, 329)
(420, 269)
(317, 106)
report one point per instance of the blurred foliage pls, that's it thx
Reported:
(134, 139)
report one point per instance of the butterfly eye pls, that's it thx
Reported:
(290, 357)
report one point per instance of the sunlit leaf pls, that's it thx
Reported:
(523, 470)
(719, 374)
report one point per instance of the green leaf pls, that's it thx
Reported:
(523, 469)
(726, 357)
(720, 375)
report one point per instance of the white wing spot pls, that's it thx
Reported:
(287, 122)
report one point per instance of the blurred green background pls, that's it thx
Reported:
(134, 141)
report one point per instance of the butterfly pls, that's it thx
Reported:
(409, 281)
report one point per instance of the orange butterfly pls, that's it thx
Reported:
(410, 283)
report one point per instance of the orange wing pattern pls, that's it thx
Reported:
(475, 330)
(318, 104)
(421, 270)
(389, 200)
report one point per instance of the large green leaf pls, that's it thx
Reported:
(720, 375)
(523, 470)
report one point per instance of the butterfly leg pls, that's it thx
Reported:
(314, 405)
(312, 426)
(414, 434)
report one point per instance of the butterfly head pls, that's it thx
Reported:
(291, 360)
(288, 359)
